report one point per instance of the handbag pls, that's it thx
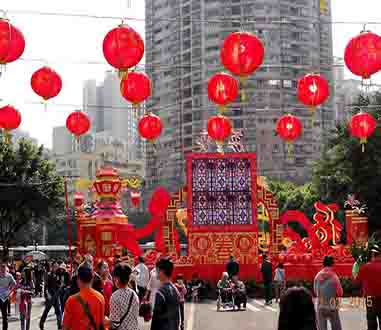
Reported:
(145, 311)
(116, 325)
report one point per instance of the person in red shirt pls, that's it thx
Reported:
(85, 310)
(370, 278)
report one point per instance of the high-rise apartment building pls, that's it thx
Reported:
(111, 113)
(183, 40)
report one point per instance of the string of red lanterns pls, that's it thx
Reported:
(46, 83)
(219, 129)
(289, 128)
(136, 87)
(222, 90)
(12, 42)
(150, 127)
(78, 123)
(362, 126)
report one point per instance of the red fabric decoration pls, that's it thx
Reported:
(78, 123)
(150, 127)
(362, 126)
(242, 53)
(135, 87)
(123, 47)
(363, 54)
(12, 42)
(313, 90)
(222, 89)
(219, 128)
(159, 202)
(46, 83)
(289, 128)
(10, 118)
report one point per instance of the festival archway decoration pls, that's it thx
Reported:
(46, 83)
(363, 54)
(222, 90)
(362, 126)
(313, 90)
(12, 43)
(150, 127)
(123, 48)
(78, 123)
(135, 88)
(289, 128)
(242, 53)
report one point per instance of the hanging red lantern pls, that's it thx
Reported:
(150, 127)
(136, 87)
(123, 48)
(219, 128)
(313, 90)
(46, 83)
(10, 118)
(362, 126)
(135, 198)
(222, 90)
(12, 42)
(78, 123)
(363, 54)
(242, 53)
(289, 128)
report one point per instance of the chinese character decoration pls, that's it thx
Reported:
(235, 141)
(355, 204)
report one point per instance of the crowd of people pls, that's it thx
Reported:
(97, 297)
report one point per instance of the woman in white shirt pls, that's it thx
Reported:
(279, 281)
(153, 286)
(124, 305)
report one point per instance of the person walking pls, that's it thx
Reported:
(180, 286)
(7, 283)
(167, 302)
(142, 278)
(370, 279)
(328, 291)
(153, 286)
(267, 275)
(86, 309)
(53, 298)
(297, 311)
(232, 267)
(26, 289)
(124, 304)
(279, 281)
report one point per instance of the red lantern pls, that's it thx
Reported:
(219, 128)
(289, 128)
(362, 126)
(123, 48)
(313, 90)
(10, 118)
(363, 54)
(136, 87)
(78, 123)
(150, 127)
(12, 42)
(135, 198)
(222, 89)
(242, 53)
(46, 83)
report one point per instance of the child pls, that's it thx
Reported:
(182, 292)
(280, 281)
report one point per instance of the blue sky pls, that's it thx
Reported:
(60, 41)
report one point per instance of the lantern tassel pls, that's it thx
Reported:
(45, 104)
(136, 106)
(7, 136)
(222, 109)
(363, 142)
(243, 92)
(289, 148)
(220, 147)
(123, 74)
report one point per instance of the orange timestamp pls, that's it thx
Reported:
(352, 302)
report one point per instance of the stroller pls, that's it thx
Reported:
(226, 299)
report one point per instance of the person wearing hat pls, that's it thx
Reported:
(370, 278)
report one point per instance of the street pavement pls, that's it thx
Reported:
(204, 316)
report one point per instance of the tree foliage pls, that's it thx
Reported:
(30, 190)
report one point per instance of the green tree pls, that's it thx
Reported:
(30, 190)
